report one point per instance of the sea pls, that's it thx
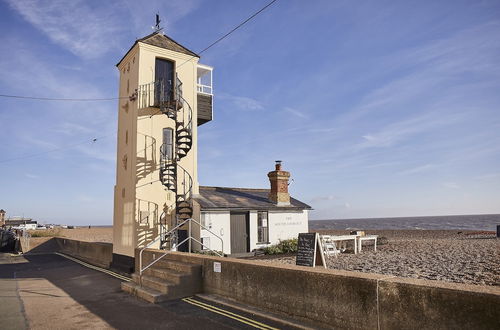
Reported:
(479, 222)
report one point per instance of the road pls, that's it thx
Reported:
(48, 291)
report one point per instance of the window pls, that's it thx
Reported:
(262, 227)
(205, 220)
(167, 149)
(205, 241)
(125, 161)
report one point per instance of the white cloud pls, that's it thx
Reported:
(296, 112)
(242, 102)
(31, 176)
(85, 30)
(418, 169)
(323, 198)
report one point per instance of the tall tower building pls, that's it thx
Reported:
(165, 95)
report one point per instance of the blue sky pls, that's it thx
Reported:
(377, 108)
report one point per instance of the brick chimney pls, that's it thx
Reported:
(279, 186)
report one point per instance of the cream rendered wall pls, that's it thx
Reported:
(253, 230)
(149, 188)
(140, 178)
(220, 224)
(124, 238)
(287, 225)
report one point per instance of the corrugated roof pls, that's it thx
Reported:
(160, 40)
(217, 198)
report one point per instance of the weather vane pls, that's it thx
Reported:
(157, 27)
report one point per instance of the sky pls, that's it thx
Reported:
(377, 108)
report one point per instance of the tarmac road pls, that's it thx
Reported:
(48, 291)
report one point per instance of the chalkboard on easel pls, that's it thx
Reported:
(309, 251)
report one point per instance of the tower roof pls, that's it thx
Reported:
(160, 40)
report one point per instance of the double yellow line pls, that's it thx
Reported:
(229, 314)
(102, 270)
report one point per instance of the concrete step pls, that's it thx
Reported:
(179, 266)
(174, 276)
(172, 290)
(150, 295)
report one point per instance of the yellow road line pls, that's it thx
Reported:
(102, 270)
(229, 314)
(237, 315)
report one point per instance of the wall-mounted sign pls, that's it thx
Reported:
(217, 267)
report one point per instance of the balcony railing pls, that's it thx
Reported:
(205, 89)
(158, 93)
(204, 79)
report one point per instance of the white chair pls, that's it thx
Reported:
(329, 246)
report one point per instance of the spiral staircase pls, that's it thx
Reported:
(172, 175)
(170, 102)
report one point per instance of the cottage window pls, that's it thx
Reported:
(205, 220)
(262, 227)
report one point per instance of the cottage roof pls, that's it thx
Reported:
(160, 40)
(218, 198)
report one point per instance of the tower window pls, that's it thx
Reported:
(126, 137)
(125, 161)
(167, 149)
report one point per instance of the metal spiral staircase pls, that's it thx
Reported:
(172, 175)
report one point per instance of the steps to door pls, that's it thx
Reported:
(165, 280)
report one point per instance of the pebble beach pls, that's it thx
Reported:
(444, 255)
(469, 257)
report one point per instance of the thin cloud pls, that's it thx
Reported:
(417, 169)
(242, 102)
(296, 112)
(323, 198)
(84, 30)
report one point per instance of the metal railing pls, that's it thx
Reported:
(146, 211)
(188, 239)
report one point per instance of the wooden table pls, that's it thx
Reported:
(367, 238)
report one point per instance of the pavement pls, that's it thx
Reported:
(48, 291)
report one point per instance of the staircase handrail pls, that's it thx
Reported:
(190, 237)
(153, 242)
(190, 181)
(145, 142)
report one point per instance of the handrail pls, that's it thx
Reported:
(211, 232)
(151, 243)
(189, 238)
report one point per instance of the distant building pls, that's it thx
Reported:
(2, 217)
(21, 223)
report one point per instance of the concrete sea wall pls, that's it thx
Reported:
(342, 299)
(99, 254)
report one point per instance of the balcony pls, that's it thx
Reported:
(205, 94)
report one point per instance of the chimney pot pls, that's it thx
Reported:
(278, 165)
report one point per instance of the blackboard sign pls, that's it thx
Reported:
(309, 252)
